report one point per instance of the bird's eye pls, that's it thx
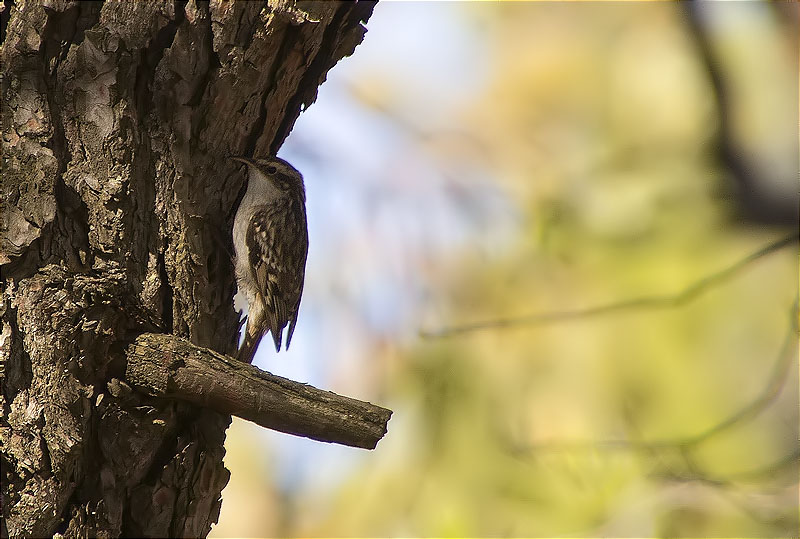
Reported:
(272, 170)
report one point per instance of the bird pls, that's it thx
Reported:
(270, 239)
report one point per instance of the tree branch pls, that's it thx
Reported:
(685, 444)
(167, 366)
(757, 200)
(688, 294)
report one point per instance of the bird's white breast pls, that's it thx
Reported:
(260, 191)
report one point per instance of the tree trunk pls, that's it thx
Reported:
(117, 208)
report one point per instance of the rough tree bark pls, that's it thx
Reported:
(117, 208)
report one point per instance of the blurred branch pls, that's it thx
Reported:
(684, 445)
(688, 294)
(772, 389)
(757, 203)
(730, 485)
(170, 367)
(790, 459)
(753, 474)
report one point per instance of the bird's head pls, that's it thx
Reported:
(274, 170)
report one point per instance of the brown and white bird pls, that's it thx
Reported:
(270, 237)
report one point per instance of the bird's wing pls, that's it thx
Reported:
(277, 242)
(299, 255)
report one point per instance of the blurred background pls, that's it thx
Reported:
(474, 165)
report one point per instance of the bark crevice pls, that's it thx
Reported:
(290, 35)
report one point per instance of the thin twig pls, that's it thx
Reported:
(775, 382)
(690, 293)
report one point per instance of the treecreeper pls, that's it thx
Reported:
(270, 239)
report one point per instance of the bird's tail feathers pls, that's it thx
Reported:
(248, 349)
(249, 346)
(277, 336)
